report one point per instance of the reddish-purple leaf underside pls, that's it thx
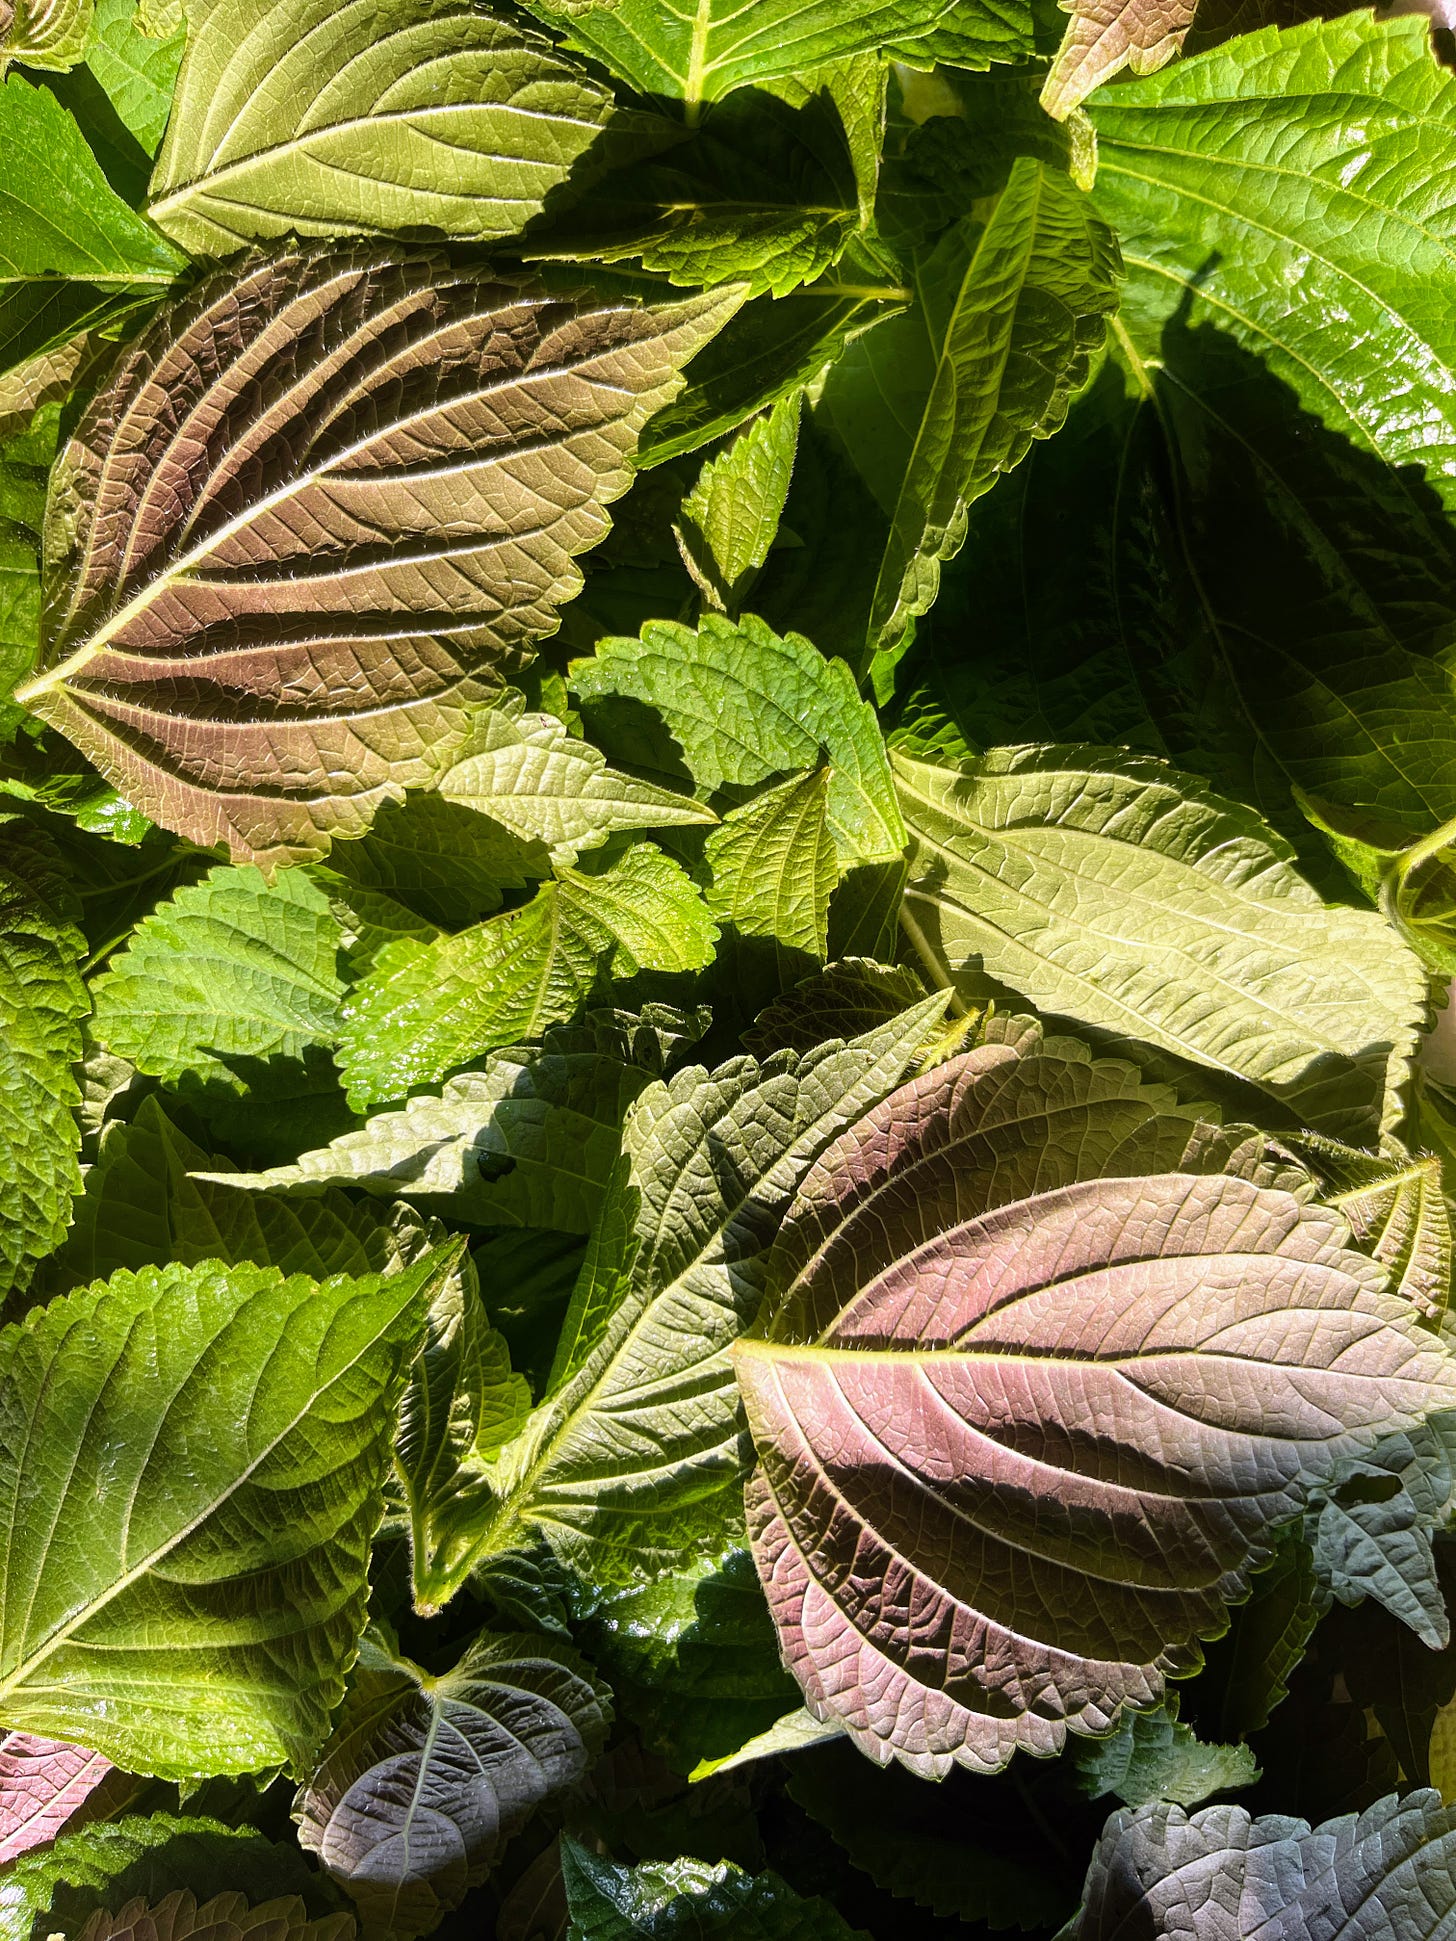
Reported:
(325, 503)
(44, 1783)
(1018, 1472)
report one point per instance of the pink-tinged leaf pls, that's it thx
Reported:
(1021, 1470)
(44, 1783)
(1105, 36)
(324, 504)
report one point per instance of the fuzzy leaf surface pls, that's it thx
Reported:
(44, 33)
(1057, 1433)
(306, 118)
(1121, 893)
(426, 1007)
(745, 706)
(260, 647)
(425, 1779)
(194, 1454)
(43, 1784)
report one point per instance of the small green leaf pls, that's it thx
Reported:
(731, 517)
(60, 221)
(138, 72)
(199, 1452)
(463, 1403)
(772, 870)
(1397, 1211)
(935, 407)
(424, 1008)
(547, 786)
(437, 859)
(233, 967)
(426, 1778)
(795, 1732)
(307, 117)
(745, 707)
(1153, 1755)
(663, 1899)
(42, 1005)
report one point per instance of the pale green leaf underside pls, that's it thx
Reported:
(731, 517)
(639, 1447)
(528, 773)
(773, 869)
(315, 118)
(192, 1460)
(1117, 892)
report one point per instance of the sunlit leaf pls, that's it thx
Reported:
(261, 648)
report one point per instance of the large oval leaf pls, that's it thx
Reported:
(320, 509)
(425, 1778)
(374, 115)
(192, 1458)
(1035, 1452)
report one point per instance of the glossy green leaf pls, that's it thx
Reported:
(424, 1008)
(743, 706)
(731, 517)
(426, 1778)
(659, 1899)
(42, 1004)
(199, 1452)
(1116, 891)
(305, 117)
(548, 786)
(230, 968)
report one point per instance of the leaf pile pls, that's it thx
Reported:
(727, 911)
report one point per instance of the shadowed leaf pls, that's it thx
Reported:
(663, 1899)
(227, 1917)
(323, 506)
(425, 1779)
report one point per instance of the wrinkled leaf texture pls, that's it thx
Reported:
(316, 119)
(1388, 1874)
(226, 1917)
(235, 1523)
(43, 1784)
(1017, 1454)
(425, 1779)
(321, 507)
